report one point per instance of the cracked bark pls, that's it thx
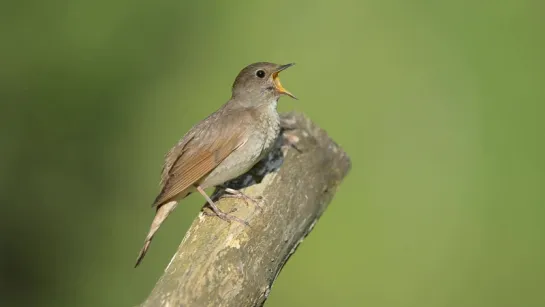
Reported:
(229, 264)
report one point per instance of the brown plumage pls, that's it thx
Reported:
(224, 145)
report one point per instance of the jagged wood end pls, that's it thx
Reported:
(230, 264)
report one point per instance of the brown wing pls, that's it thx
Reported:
(194, 158)
(173, 155)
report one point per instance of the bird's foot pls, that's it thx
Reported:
(232, 193)
(290, 141)
(228, 217)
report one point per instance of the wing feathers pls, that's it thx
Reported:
(195, 163)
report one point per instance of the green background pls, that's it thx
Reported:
(438, 103)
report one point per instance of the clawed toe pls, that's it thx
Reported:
(231, 193)
(228, 217)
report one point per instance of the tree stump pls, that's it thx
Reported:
(223, 263)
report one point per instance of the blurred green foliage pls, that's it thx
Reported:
(439, 104)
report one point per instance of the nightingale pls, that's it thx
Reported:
(223, 146)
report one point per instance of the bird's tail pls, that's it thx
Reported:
(160, 216)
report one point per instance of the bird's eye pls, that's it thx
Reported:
(260, 73)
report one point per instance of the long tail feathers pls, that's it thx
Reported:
(143, 252)
(160, 216)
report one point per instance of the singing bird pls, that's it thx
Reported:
(223, 146)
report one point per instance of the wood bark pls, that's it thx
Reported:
(223, 263)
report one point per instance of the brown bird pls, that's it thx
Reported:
(223, 146)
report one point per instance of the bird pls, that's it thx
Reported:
(223, 146)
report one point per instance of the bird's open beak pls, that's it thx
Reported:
(277, 83)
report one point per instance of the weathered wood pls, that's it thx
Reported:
(229, 264)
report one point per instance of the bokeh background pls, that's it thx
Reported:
(439, 104)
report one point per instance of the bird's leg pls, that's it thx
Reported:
(222, 215)
(232, 193)
(290, 140)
